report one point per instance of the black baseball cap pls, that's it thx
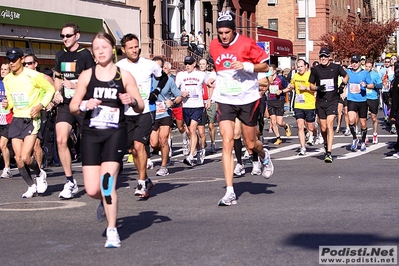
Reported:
(189, 60)
(324, 52)
(355, 58)
(14, 53)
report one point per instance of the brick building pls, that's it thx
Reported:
(288, 18)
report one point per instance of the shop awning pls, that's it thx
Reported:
(278, 46)
(113, 28)
(47, 20)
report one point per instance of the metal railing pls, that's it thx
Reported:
(172, 52)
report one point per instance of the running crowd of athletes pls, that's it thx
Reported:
(129, 106)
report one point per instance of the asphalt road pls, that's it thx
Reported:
(281, 221)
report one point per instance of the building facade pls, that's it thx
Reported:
(288, 17)
(35, 25)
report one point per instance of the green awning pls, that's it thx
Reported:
(48, 20)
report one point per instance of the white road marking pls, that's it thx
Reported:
(360, 153)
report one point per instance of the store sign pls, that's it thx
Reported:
(41, 19)
(9, 14)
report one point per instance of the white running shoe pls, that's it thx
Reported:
(201, 156)
(239, 170)
(163, 171)
(347, 132)
(150, 164)
(310, 141)
(70, 189)
(41, 182)
(268, 168)
(6, 173)
(189, 160)
(256, 168)
(246, 155)
(375, 138)
(186, 148)
(113, 240)
(213, 147)
(228, 200)
(302, 152)
(31, 192)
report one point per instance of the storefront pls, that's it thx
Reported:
(280, 50)
(38, 32)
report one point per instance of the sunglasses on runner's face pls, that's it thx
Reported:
(66, 35)
(28, 63)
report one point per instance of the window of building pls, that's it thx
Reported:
(249, 24)
(273, 24)
(302, 56)
(301, 28)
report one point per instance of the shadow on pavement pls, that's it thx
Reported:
(133, 224)
(314, 240)
(253, 188)
(160, 188)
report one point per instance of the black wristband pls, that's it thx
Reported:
(133, 103)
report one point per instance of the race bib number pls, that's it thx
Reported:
(303, 88)
(105, 117)
(193, 94)
(229, 86)
(273, 89)
(369, 91)
(329, 84)
(160, 108)
(143, 92)
(69, 92)
(354, 88)
(299, 98)
(20, 100)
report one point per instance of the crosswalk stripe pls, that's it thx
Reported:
(284, 148)
(294, 147)
(311, 153)
(360, 153)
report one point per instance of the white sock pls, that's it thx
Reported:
(229, 190)
(141, 182)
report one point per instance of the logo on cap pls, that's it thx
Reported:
(225, 16)
(189, 60)
(355, 58)
(324, 51)
(14, 53)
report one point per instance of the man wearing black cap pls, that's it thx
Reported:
(359, 81)
(191, 83)
(23, 87)
(324, 80)
(237, 60)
